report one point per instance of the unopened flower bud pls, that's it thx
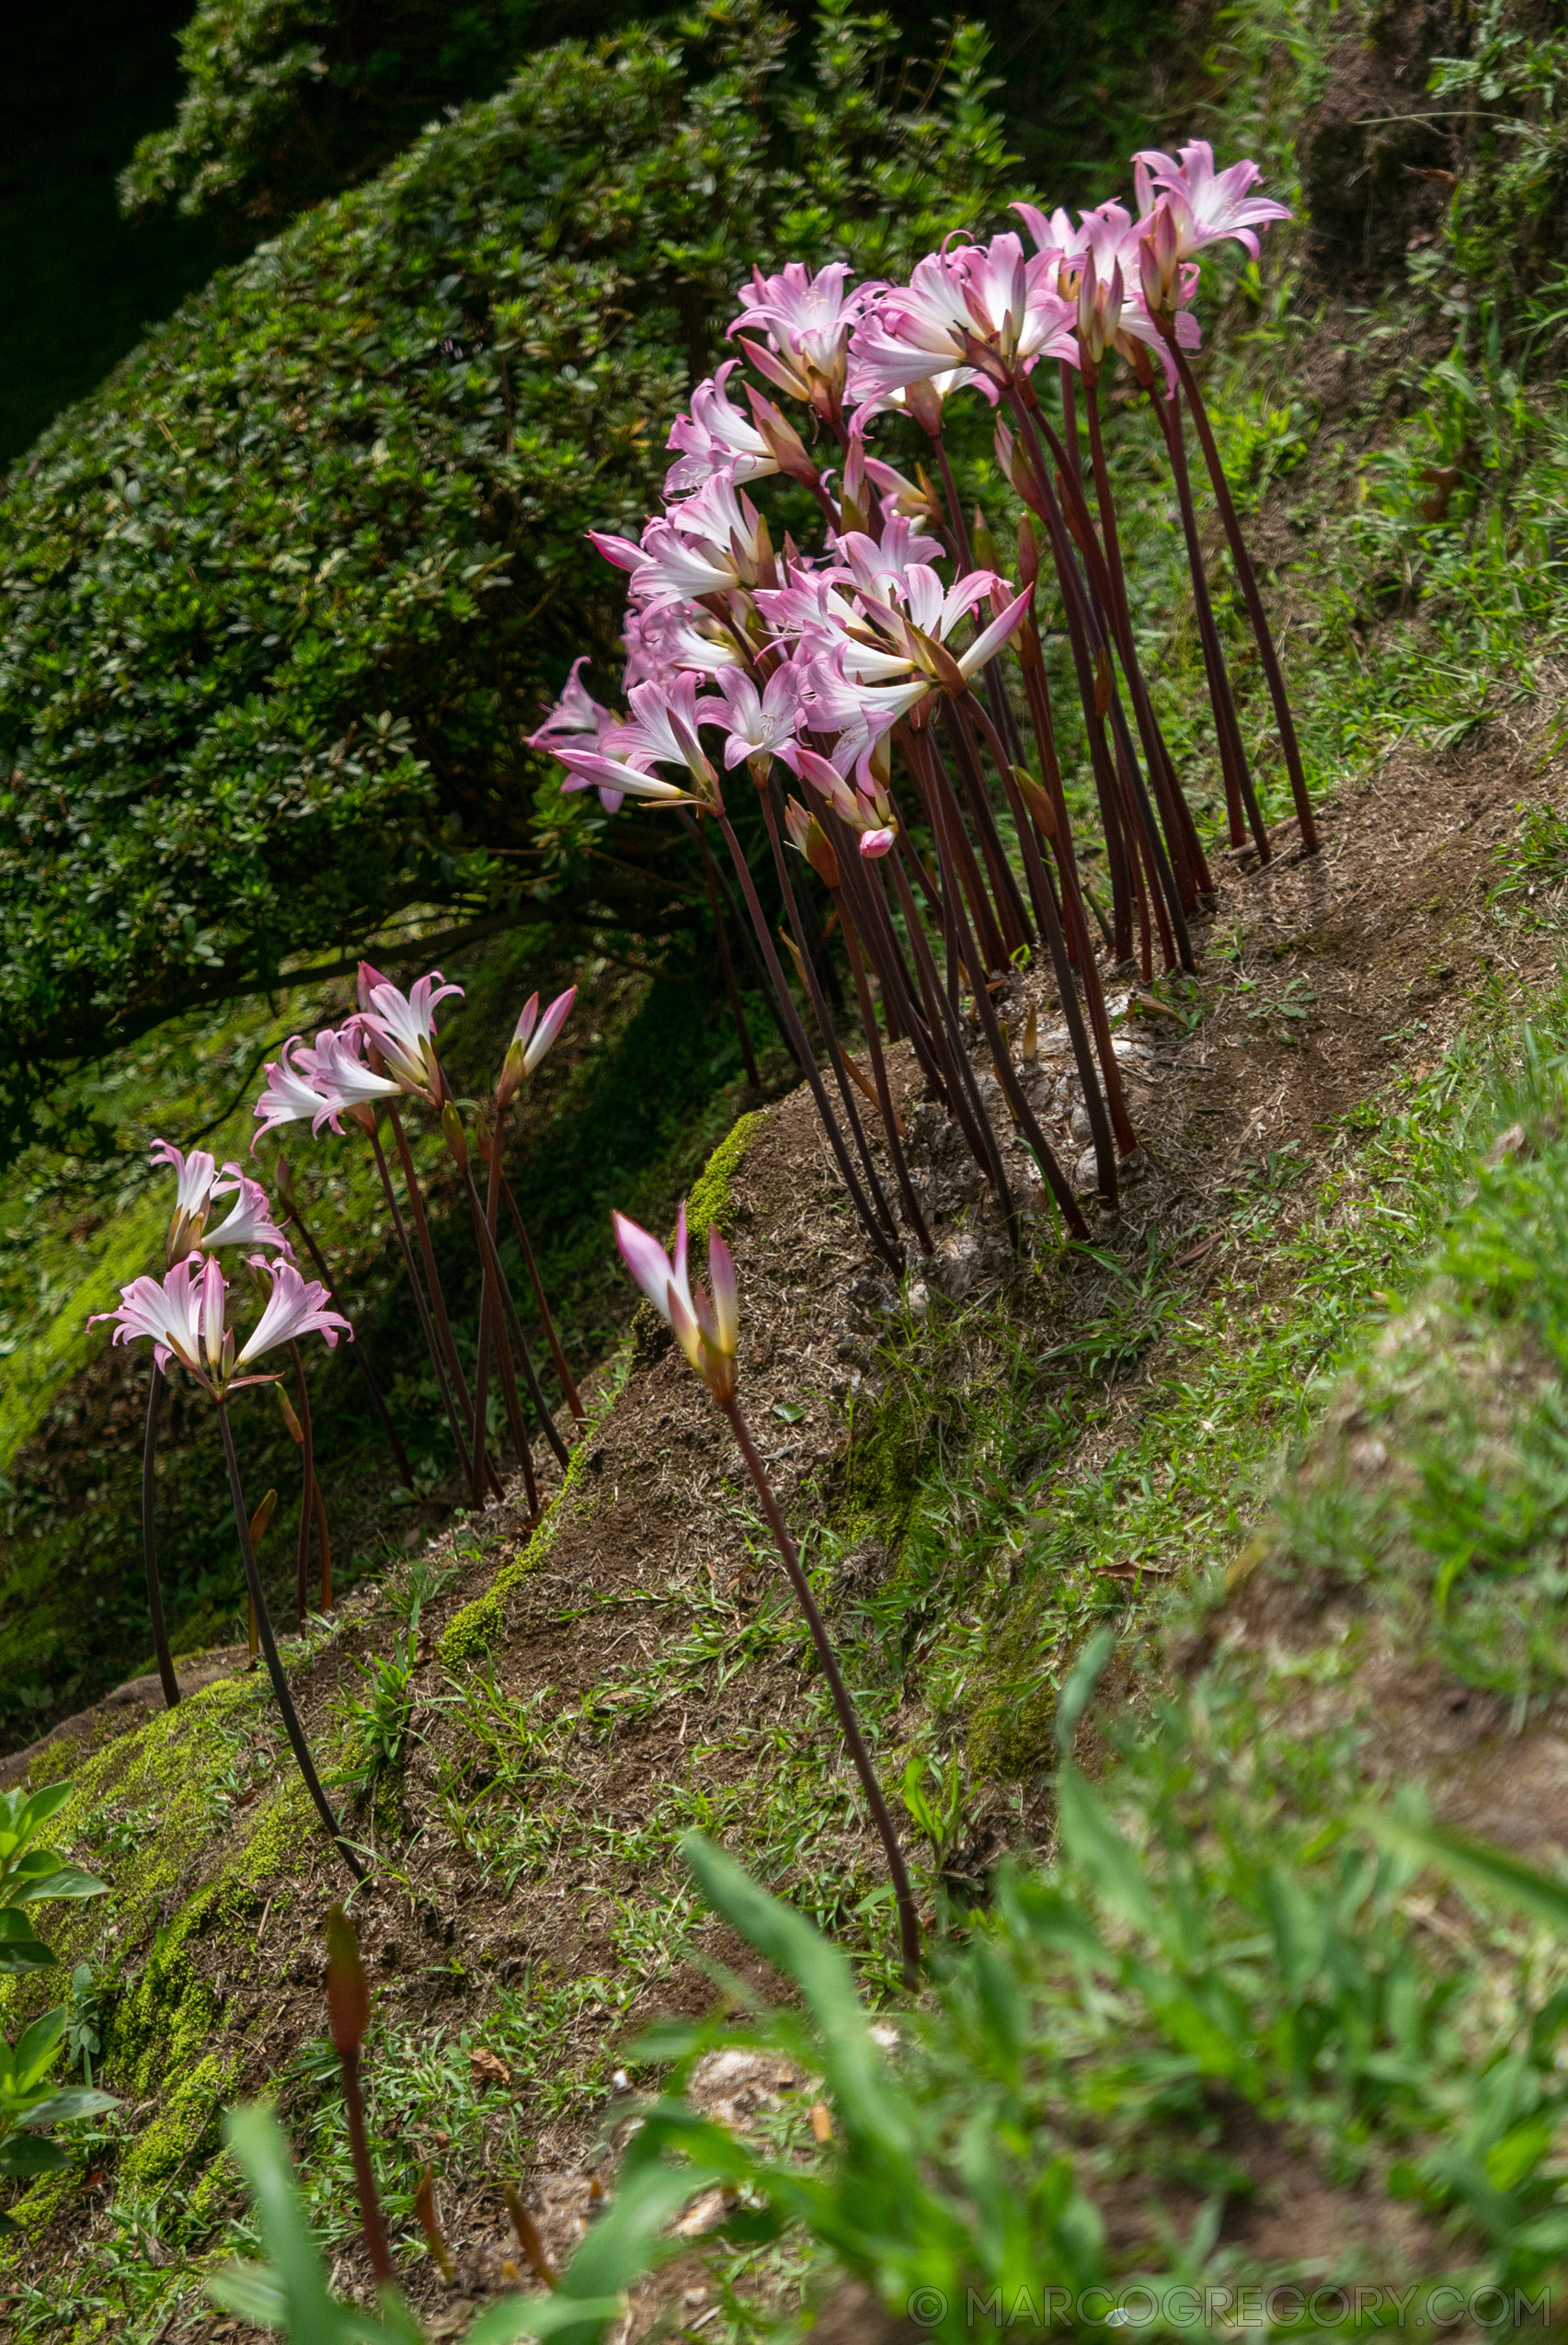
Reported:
(1037, 800)
(284, 1174)
(1159, 262)
(365, 982)
(509, 1081)
(455, 1136)
(988, 552)
(809, 837)
(784, 444)
(348, 1989)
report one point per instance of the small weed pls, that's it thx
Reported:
(377, 1724)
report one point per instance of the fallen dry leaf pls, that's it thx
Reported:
(488, 2069)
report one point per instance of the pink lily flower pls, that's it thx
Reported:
(807, 838)
(1105, 240)
(706, 1328)
(664, 725)
(676, 636)
(617, 777)
(403, 1028)
(342, 1070)
(294, 1308)
(250, 1222)
(758, 725)
(983, 306)
(1100, 305)
(1206, 206)
(293, 1093)
(673, 568)
(909, 614)
(808, 320)
(712, 543)
(196, 1185)
(716, 437)
(532, 1038)
(168, 1310)
(926, 399)
(577, 711)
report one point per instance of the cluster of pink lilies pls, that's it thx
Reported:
(380, 1058)
(901, 635)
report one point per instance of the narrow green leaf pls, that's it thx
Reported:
(1494, 1870)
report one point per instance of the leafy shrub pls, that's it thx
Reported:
(279, 605)
(287, 101)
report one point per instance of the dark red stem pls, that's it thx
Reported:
(909, 1920)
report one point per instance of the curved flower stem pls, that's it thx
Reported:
(371, 2218)
(489, 1330)
(1002, 1057)
(1046, 911)
(909, 1920)
(422, 1308)
(481, 1470)
(1072, 890)
(900, 998)
(1192, 862)
(302, 1555)
(1095, 598)
(824, 1018)
(911, 1203)
(166, 1673)
(285, 1699)
(400, 1456)
(495, 1297)
(993, 676)
(1167, 853)
(322, 1534)
(946, 1029)
(489, 1255)
(710, 874)
(806, 1054)
(568, 1385)
(1241, 798)
(1120, 851)
(1247, 577)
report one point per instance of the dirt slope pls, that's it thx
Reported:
(581, 1696)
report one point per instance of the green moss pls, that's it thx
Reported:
(473, 1629)
(287, 1819)
(54, 1763)
(188, 2124)
(1011, 1739)
(51, 2195)
(711, 1202)
(37, 1368)
(159, 2027)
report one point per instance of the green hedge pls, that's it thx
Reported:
(279, 602)
(288, 101)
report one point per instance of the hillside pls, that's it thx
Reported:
(1166, 1567)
